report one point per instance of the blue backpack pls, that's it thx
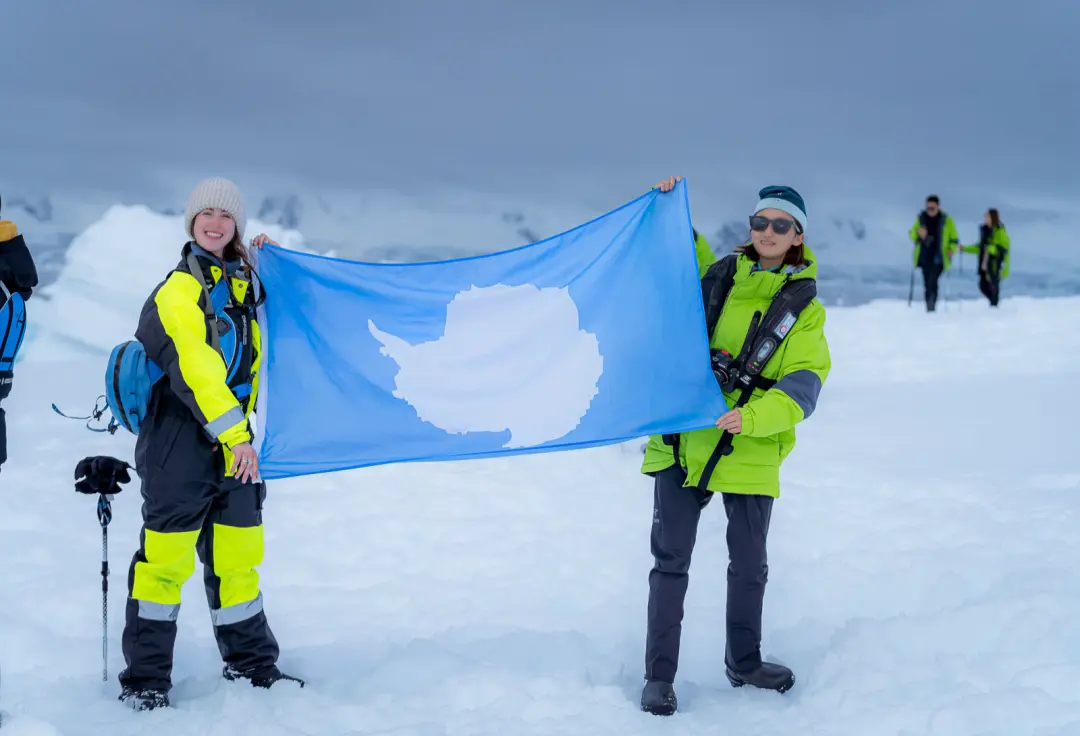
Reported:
(12, 327)
(130, 374)
(129, 379)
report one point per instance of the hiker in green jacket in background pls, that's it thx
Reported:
(993, 252)
(759, 431)
(935, 238)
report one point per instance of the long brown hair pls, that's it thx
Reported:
(995, 218)
(237, 250)
(795, 256)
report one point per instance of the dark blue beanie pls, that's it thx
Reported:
(784, 199)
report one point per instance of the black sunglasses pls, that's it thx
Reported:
(780, 225)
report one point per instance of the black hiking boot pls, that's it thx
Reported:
(658, 698)
(264, 677)
(144, 699)
(767, 676)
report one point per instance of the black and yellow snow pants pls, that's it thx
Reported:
(190, 508)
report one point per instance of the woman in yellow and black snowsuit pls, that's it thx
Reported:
(199, 471)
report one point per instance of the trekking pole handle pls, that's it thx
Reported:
(104, 509)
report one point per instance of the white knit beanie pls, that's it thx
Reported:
(220, 193)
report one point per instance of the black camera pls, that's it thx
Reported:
(723, 368)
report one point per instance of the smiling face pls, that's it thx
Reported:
(771, 244)
(214, 229)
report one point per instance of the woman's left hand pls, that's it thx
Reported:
(245, 465)
(261, 239)
(731, 421)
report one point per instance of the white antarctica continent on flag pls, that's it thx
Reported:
(510, 358)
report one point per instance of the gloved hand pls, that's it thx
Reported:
(101, 474)
(17, 268)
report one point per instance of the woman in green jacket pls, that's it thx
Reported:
(993, 252)
(759, 431)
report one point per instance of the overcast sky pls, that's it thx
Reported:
(848, 100)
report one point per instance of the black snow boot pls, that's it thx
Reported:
(145, 699)
(767, 676)
(264, 677)
(658, 698)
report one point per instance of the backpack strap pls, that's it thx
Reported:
(215, 306)
(715, 286)
(209, 309)
(12, 326)
(7, 318)
(761, 344)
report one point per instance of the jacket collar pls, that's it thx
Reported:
(230, 266)
(808, 270)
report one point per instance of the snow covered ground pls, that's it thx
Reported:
(923, 567)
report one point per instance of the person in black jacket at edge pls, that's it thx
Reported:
(18, 279)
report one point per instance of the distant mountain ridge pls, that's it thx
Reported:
(861, 257)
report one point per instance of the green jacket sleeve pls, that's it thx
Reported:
(173, 330)
(705, 255)
(1002, 248)
(999, 243)
(805, 365)
(913, 233)
(950, 241)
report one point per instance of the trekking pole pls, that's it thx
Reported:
(960, 302)
(103, 476)
(946, 294)
(104, 514)
(914, 268)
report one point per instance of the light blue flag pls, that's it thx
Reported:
(592, 337)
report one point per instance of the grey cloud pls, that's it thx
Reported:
(854, 100)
